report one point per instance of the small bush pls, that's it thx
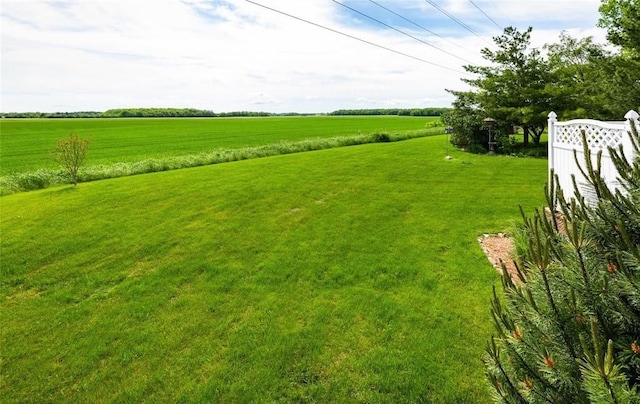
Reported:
(476, 148)
(434, 124)
(467, 127)
(36, 180)
(381, 137)
(29, 181)
(506, 144)
(534, 151)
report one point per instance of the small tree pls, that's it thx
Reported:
(70, 153)
(568, 330)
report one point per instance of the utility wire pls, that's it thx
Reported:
(453, 18)
(486, 15)
(418, 25)
(356, 38)
(402, 32)
(496, 7)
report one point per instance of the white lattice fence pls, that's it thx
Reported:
(565, 138)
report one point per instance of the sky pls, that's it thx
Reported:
(306, 56)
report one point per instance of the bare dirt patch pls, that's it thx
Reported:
(499, 249)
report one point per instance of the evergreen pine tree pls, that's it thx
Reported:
(568, 329)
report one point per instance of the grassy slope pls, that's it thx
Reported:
(25, 141)
(349, 274)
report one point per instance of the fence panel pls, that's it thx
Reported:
(565, 140)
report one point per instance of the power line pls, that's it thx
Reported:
(453, 18)
(496, 7)
(486, 15)
(402, 32)
(356, 38)
(417, 25)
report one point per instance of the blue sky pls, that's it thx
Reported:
(79, 55)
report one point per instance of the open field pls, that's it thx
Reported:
(25, 142)
(342, 275)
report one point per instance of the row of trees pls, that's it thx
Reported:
(392, 111)
(139, 113)
(201, 113)
(157, 113)
(576, 78)
(77, 114)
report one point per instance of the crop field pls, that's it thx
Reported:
(342, 275)
(25, 142)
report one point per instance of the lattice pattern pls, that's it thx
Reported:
(598, 138)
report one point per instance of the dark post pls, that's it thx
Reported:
(490, 123)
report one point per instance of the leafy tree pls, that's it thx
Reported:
(70, 154)
(591, 82)
(568, 330)
(619, 85)
(577, 65)
(621, 19)
(621, 73)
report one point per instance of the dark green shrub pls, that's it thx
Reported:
(31, 181)
(467, 127)
(505, 144)
(381, 137)
(476, 148)
(538, 151)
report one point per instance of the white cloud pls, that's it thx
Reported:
(234, 55)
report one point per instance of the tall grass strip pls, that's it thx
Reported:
(43, 178)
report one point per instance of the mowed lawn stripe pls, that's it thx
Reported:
(25, 142)
(348, 274)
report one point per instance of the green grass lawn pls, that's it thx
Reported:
(342, 275)
(24, 143)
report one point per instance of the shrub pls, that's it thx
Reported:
(381, 137)
(538, 151)
(476, 148)
(434, 124)
(467, 127)
(568, 329)
(506, 144)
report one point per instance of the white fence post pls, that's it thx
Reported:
(631, 116)
(551, 134)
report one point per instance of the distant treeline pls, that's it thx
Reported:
(202, 113)
(175, 112)
(81, 114)
(142, 113)
(392, 111)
